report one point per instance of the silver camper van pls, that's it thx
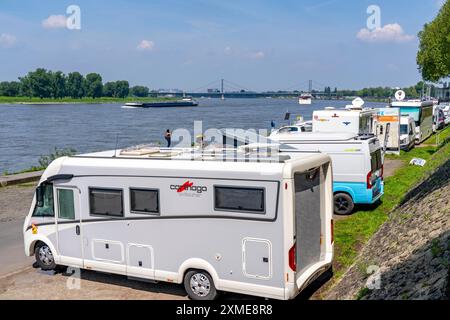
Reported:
(251, 223)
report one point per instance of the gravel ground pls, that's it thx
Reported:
(15, 201)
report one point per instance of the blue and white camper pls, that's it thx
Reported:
(356, 160)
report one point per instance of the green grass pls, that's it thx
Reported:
(352, 233)
(32, 169)
(20, 100)
(362, 293)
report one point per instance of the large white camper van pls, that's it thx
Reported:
(251, 223)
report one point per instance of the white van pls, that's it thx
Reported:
(407, 133)
(255, 224)
(357, 164)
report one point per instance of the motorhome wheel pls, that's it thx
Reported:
(343, 204)
(44, 257)
(199, 285)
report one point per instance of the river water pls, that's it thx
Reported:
(30, 131)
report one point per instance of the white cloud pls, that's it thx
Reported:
(257, 55)
(389, 33)
(7, 40)
(146, 45)
(228, 50)
(54, 22)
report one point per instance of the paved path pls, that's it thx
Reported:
(14, 206)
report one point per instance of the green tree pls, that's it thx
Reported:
(10, 89)
(433, 57)
(139, 91)
(25, 87)
(122, 89)
(109, 89)
(94, 85)
(58, 84)
(76, 85)
(39, 83)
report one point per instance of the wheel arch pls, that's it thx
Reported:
(197, 264)
(36, 240)
(345, 190)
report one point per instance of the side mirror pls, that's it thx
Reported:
(40, 196)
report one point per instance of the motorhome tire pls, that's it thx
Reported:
(199, 285)
(44, 256)
(343, 204)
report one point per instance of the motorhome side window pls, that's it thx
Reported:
(66, 207)
(144, 201)
(46, 207)
(106, 202)
(246, 200)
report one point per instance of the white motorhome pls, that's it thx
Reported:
(357, 164)
(422, 112)
(407, 133)
(350, 120)
(257, 224)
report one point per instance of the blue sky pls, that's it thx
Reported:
(259, 45)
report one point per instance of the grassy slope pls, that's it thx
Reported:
(14, 100)
(352, 233)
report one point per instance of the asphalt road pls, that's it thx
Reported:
(12, 256)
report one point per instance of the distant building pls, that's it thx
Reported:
(443, 94)
(213, 91)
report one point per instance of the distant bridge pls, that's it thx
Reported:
(247, 94)
(226, 89)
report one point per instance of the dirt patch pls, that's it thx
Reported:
(390, 166)
(15, 201)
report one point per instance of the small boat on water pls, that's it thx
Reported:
(305, 98)
(185, 102)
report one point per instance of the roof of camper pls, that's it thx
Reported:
(191, 154)
(411, 103)
(177, 162)
(315, 136)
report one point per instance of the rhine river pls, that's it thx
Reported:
(30, 131)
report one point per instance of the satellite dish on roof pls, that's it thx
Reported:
(357, 103)
(400, 95)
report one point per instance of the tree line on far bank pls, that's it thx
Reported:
(413, 92)
(43, 83)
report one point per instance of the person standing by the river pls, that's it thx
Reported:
(168, 137)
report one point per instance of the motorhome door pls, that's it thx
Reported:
(69, 225)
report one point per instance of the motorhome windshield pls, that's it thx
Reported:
(45, 209)
(412, 112)
(403, 129)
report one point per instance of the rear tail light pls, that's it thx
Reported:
(369, 180)
(332, 231)
(293, 258)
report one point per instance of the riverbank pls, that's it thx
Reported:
(408, 257)
(102, 100)
(354, 232)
